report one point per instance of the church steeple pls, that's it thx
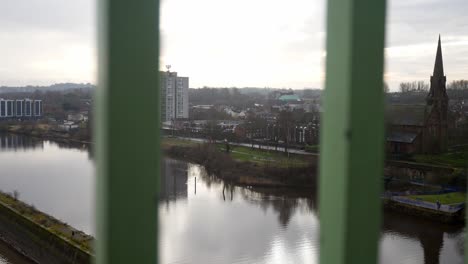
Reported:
(437, 93)
(439, 64)
(437, 99)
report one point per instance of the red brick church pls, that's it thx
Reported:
(421, 128)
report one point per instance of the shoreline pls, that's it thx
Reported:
(46, 135)
(248, 173)
(47, 235)
(244, 173)
(40, 237)
(429, 214)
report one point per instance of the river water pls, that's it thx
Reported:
(204, 220)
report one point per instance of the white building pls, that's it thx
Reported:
(77, 117)
(20, 108)
(174, 96)
(67, 126)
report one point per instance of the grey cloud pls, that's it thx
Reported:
(411, 22)
(75, 16)
(25, 25)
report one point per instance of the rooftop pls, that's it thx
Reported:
(403, 137)
(406, 114)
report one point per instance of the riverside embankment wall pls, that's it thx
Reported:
(411, 171)
(36, 242)
(434, 215)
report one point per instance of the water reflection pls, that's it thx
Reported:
(15, 142)
(439, 243)
(225, 223)
(222, 223)
(53, 178)
(19, 142)
(206, 220)
(173, 180)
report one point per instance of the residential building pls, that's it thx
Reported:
(9, 108)
(37, 111)
(2, 108)
(76, 117)
(174, 96)
(27, 107)
(67, 126)
(20, 108)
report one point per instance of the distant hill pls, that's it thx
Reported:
(53, 87)
(267, 90)
(305, 93)
(251, 90)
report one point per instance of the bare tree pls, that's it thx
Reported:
(405, 87)
(285, 122)
(416, 86)
(422, 86)
(458, 85)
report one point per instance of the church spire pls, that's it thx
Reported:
(439, 64)
(438, 91)
(438, 100)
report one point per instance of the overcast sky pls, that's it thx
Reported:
(255, 43)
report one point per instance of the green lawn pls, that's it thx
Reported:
(455, 158)
(312, 148)
(242, 153)
(264, 157)
(448, 198)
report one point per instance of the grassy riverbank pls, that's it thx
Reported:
(447, 198)
(261, 157)
(46, 131)
(264, 157)
(246, 166)
(75, 237)
(455, 158)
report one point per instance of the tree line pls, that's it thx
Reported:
(422, 86)
(224, 96)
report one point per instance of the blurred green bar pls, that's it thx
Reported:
(352, 135)
(127, 131)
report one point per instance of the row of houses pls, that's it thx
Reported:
(20, 108)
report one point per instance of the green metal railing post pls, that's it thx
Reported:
(351, 163)
(127, 131)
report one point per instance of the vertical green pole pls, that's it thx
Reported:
(127, 131)
(351, 163)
